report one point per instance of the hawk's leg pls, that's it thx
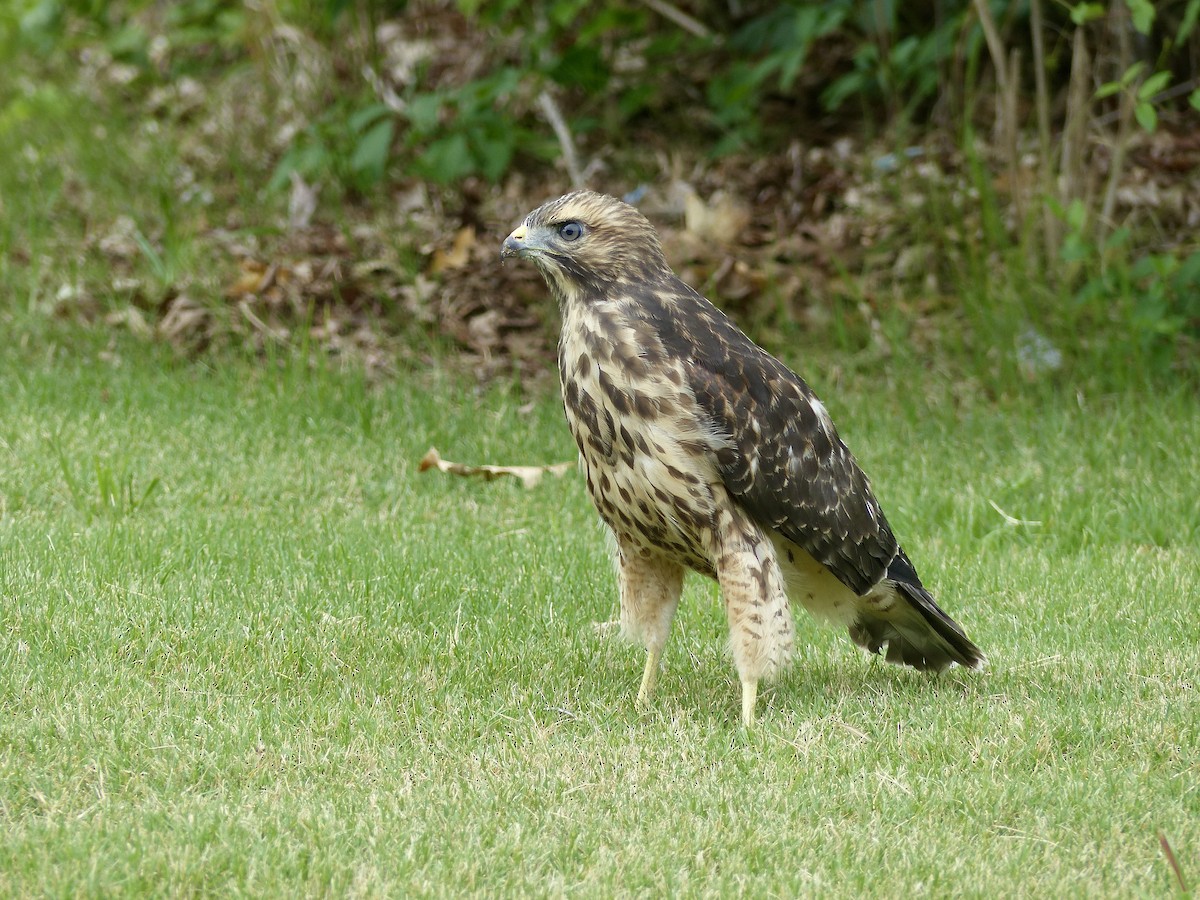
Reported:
(760, 619)
(650, 588)
(649, 676)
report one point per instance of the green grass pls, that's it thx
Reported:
(245, 648)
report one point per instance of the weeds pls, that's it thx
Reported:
(441, 101)
(1153, 297)
(103, 490)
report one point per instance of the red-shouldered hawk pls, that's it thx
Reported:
(704, 452)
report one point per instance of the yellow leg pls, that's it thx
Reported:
(749, 696)
(649, 676)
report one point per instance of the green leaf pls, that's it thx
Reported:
(1194, 99)
(1074, 249)
(1107, 90)
(1116, 240)
(733, 98)
(634, 99)
(792, 63)
(1146, 117)
(129, 43)
(1132, 73)
(1153, 85)
(307, 156)
(1142, 12)
(1189, 21)
(373, 149)
(446, 160)
(582, 67)
(1077, 214)
(42, 20)
(365, 116)
(565, 13)
(1082, 13)
(493, 151)
(1187, 276)
(423, 112)
(842, 89)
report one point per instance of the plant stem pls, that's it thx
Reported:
(1050, 230)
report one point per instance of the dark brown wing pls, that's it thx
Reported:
(783, 459)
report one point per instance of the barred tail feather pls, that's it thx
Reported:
(915, 630)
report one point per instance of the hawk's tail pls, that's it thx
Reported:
(903, 615)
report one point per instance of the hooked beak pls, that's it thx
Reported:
(514, 244)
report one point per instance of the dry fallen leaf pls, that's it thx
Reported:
(254, 277)
(723, 219)
(529, 475)
(185, 322)
(458, 255)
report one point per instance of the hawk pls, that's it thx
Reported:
(704, 452)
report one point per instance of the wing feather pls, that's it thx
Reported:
(782, 457)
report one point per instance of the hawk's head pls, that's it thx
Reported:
(585, 241)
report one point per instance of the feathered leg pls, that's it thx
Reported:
(756, 603)
(650, 589)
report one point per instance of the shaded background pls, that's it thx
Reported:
(1003, 192)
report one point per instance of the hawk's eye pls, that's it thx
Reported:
(570, 231)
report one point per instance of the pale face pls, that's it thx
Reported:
(584, 240)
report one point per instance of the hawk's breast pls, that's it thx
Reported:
(643, 443)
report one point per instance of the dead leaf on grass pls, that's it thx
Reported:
(530, 476)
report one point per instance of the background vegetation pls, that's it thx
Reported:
(1010, 188)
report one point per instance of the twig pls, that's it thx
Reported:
(1042, 663)
(1012, 101)
(563, 133)
(1125, 126)
(1017, 833)
(1074, 135)
(679, 17)
(1050, 225)
(995, 46)
(1006, 96)
(1173, 862)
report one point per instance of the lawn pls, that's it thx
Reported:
(247, 649)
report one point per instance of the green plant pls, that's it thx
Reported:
(901, 65)
(769, 50)
(350, 144)
(477, 128)
(1143, 93)
(1150, 301)
(465, 131)
(898, 60)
